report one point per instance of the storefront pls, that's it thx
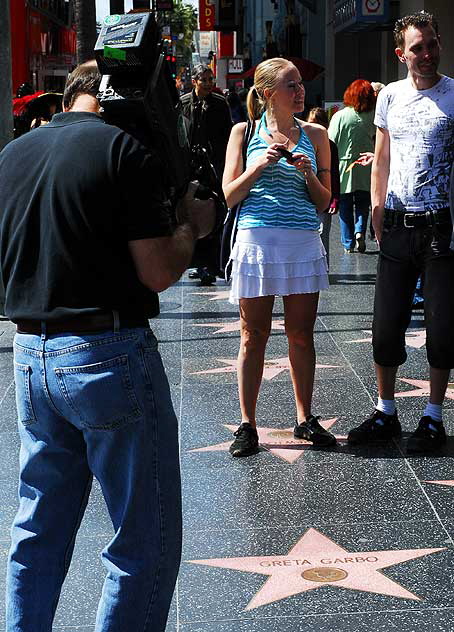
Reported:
(43, 43)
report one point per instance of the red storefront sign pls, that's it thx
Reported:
(225, 45)
(206, 15)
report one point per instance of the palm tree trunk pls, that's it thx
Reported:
(6, 90)
(86, 29)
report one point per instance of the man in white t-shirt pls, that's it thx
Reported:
(414, 153)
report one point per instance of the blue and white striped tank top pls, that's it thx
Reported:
(279, 198)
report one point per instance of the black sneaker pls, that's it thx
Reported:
(312, 431)
(429, 435)
(371, 430)
(206, 279)
(246, 441)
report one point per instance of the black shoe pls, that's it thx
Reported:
(312, 431)
(246, 441)
(360, 242)
(371, 430)
(206, 278)
(194, 274)
(429, 435)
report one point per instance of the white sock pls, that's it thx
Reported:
(387, 406)
(433, 411)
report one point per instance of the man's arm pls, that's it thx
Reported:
(160, 261)
(379, 179)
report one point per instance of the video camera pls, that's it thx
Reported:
(137, 93)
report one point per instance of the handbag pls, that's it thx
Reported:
(230, 227)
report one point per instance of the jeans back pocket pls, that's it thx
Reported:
(24, 406)
(102, 394)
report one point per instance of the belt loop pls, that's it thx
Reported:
(430, 219)
(43, 330)
(116, 320)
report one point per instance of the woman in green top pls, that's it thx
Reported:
(353, 131)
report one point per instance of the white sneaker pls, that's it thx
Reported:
(360, 242)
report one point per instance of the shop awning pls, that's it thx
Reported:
(309, 70)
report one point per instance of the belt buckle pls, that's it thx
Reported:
(406, 217)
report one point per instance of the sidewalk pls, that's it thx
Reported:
(293, 538)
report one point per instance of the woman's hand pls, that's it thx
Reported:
(365, 158)
(333, 207)
(271, 156)
(303, 164)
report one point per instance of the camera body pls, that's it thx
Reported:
(137, 94)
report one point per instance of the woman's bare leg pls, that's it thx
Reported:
(300, 314)
(255, 317)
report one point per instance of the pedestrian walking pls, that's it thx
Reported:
(414, 153)
(320, 116)
(278, 250)
(210, 123)
(353, 131)
(82, 259)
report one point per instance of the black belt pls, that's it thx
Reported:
(86, 323)
(417, 220)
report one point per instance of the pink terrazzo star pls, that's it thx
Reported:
(447, 483)
(278, 441)
(235, 326)
(423, 389)
(317, 561)
(271, 369)
(216, 296)
(413, 338)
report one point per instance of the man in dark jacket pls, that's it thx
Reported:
(210, 123)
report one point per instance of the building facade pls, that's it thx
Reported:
(358, 45)
(43, 43)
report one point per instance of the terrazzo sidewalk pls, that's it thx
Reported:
(293, 538)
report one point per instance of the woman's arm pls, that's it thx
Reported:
(318, 184)
(236, 181)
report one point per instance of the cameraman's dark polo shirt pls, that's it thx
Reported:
(72, 194)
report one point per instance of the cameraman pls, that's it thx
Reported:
(82, 260)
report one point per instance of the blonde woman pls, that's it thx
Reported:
(278, 249)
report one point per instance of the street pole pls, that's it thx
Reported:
(86, 29)
(6, 89)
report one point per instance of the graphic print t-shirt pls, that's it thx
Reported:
(421, 129)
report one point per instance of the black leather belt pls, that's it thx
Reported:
(89, 323)
(423, 219)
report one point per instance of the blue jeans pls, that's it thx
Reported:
(324, 230)
(353, 214)
(95, 405)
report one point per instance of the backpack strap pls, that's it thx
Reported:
(248, 134)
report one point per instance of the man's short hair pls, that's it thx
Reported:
(417, 20)
(199, 69)
(84, 79)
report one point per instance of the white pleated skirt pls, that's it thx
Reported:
(277, 261)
